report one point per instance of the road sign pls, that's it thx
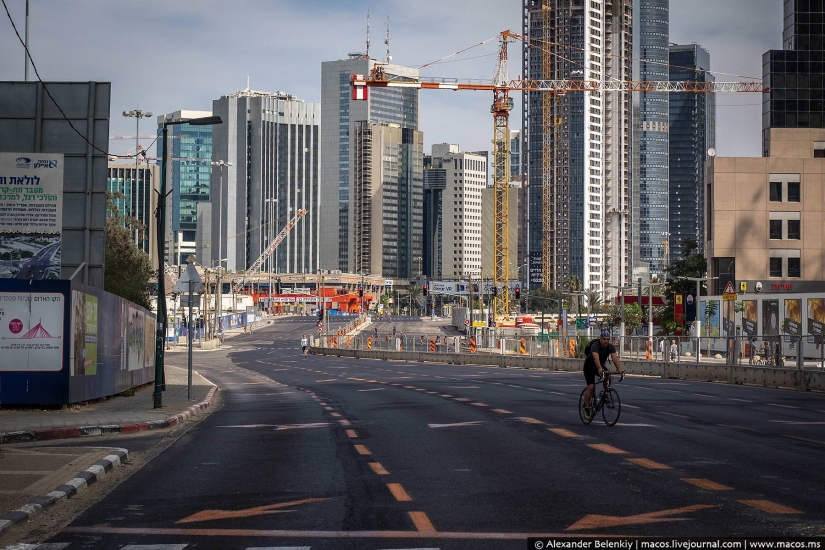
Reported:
(593, 321)
(319, 329)
(189, 274)
(729, 294)
(466, 322)
(581, 323)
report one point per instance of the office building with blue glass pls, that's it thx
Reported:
(692, 135)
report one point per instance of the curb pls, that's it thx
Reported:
(81, 431)
(72, 487)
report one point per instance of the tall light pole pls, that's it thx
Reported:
(160, 382)
(137, 114)
(698, 322)
(221, 165)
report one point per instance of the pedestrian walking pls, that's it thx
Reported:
(304, 345)
(674, 352)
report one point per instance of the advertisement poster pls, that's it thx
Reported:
(770, 317)
(816, 316)
(711, 316)
(31, 331)
(149, 340)
(31, 215)
(750, 319)
(135, 339)
(793, 317)
(535, 269)
(679, 309)
(84, 334)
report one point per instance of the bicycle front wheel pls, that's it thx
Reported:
(611, 407)
(584, 418)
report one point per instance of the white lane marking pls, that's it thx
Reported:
(791, 422)
(556, 393)
(534, 389)
(631, 406)
(783, 406)
(42, 546)
(328, 380)
(374, 389)
(742, 400)
(623, 424)
(462, 387)
(155, 547)
(703, 395)
(302, 426)
(456, 424)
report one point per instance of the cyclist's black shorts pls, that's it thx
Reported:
(590, 372)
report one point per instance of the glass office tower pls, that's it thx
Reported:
(796, 73)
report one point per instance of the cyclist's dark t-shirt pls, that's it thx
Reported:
(604, 353)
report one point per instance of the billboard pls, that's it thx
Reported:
(84, 334)
(793, 317)
(31, 331)
(750, 317)
(535, 269)
(816, 316)
(31, 215)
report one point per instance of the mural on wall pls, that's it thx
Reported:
(711, 316)
(793, 317)
(84, 333)
(31, 215)
(31, 331)
(135, 338)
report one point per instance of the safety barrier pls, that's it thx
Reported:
(803, 380)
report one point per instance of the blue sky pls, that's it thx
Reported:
(164, 56)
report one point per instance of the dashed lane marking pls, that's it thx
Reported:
(480, 404)
(706, 484)
(804, 439)
(378, 469)
(456, 424)
(344, 422)
(770, 507)
(462, 399)
(529, 420)
(674, 414)
(564, 433)
(783, 406)
(374, 389)
(605, 448)
(351, 434)
(647, 463)
(398, 492)
(501, 411)
(362, 450)
(422, 523)
(793, 423)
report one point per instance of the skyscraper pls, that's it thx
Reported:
(454, 182)
(653, 21)
(386, 201)
(136, 201)
(187, 175)
(578, 144)
(796, 73)
(340, 115)
(271, 141)
(692, 133)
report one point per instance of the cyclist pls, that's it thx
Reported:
(304, 345)
(596, 356)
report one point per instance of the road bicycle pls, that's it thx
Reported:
(607, 402)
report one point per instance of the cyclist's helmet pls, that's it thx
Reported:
(605, 334)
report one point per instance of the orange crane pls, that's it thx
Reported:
(501, 86)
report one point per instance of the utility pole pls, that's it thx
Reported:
(698, 322)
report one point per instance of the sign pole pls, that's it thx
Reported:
(189, 337)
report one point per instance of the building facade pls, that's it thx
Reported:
(578, 144)
(765, 215)
(453, 185)
(652, 127)
(692, 135)
(340, 115)
(386, 199)
(795, 73)
(136, 197)
(188, 173)
(272, 143)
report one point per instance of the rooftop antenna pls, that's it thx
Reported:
(387, 40)
(368, 31)
(247, 83)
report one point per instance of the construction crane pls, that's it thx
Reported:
(501, 86)
(255, 268)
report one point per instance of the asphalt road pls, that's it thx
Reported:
(329, 453)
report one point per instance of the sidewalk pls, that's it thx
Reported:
(33, 479)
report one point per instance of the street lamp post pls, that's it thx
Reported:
(136, 114)
(621, 290)
(160, 382)
(698, 321)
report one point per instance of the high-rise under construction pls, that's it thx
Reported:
(578, 144)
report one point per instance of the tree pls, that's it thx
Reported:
(691, 264)
(633, 315)
(416, 296)
(544, 299)
(128, 269)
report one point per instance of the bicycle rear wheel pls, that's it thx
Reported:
(611, 407)
(584, 419)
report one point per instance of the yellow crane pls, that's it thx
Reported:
(501, 86)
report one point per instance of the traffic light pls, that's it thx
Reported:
(361, 291)
(425, 289)
(321, 312)
(495, 291)
(518, 293)
(489, 320)
(277, 286)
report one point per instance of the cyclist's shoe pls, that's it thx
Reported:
(587, 414)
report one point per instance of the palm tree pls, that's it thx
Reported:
(594, 300)
(574, 283)
(416, 296)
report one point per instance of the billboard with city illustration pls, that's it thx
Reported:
(31, 215)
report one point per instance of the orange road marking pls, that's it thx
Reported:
(445, 395)
(770, 507)
(647, 463)
(706, 484)
(501, 411)
(207, 515)
(530, 420)
(352, 434)
(480, 404)
(378, 469)
(564, 433)
(462, 399)
(605, 448)
(422, 522)
(420, 389)
(344, 422)
(362, 450)
(336, 415)
(592, 521)
(329, 408)
(804, 439)
(409, 387)
(398, 492)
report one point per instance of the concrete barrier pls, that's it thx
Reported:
(803, 380)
